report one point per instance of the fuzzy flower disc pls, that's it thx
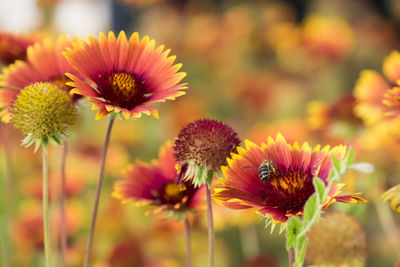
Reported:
(43, 112)
(337, 240)
(207, 142)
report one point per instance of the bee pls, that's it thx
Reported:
(265, 169)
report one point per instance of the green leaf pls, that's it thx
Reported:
(294, 228)
(350, 157)
(337, 164)
(320, 189)
(311, 209)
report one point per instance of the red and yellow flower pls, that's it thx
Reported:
(45, 63)
(288, 188)
(371, 89)
(13, 46)
(125, 75)
(155, 184)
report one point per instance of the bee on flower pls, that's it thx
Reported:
(290, 180)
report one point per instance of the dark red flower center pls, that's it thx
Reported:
(122, 89)
(288, 190)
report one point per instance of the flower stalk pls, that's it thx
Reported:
(45, 203)
(211, 231)
(188, 260)
(63, 239)
(98, 192)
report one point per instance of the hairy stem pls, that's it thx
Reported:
(63, 234)
(45, 202)
(211, 233)
(98, 191)
(188, 261)
(291, 256)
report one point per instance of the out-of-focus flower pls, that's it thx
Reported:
(143, 3)
(289, 184)
(371, 88)
(391, 68)
(13, 46)
(44, 63)
(186, 110)
(321, 114)
(337, 240)
(33, 187)
(155, 184)
(327, 37)
(43, 112)
(125, 75)
(126, 253)
(202, 146)
(393, 194)
(255, 91)
(28, 230)
(292, 129)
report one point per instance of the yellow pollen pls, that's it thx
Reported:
(289, 183)
(124, 84)
(172, 191)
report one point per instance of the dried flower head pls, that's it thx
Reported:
(43, 112)
(202, 147)
(337, 240)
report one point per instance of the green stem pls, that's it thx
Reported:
(188, 244)
(211, 232)
(46, 226)
(98, 191)
(63, 234)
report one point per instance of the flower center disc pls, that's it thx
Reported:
(289, 181)
(174, 192)
(123, 84)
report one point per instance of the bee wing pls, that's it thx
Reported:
(250, 166)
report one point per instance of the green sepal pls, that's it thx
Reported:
(210, 175)
(28, 140)
(56, 139)
(45, 143)
(180, 216)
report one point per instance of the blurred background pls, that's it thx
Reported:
(262, 67)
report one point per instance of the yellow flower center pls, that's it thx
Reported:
(174, 192)
(289, 181)
(43, 110)
(123, 84)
